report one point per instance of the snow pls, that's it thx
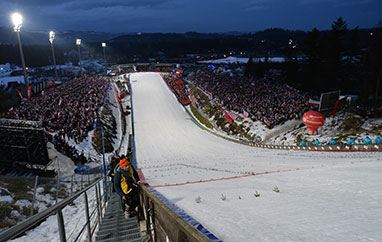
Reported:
(323, 196)
(5, 80)
(6, 198)
(231, 60)
(74, 218)
(23, 203)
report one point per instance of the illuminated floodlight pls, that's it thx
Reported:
(78, 42)
(52, 36)
(17, 20)
(103, 44)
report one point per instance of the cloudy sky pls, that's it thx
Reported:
(189, 15)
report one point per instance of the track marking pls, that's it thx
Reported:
(227, 178)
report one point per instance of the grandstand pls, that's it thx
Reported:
(23, 149)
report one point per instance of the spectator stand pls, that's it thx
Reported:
(178, 88)
(265, 99)
(67, 112)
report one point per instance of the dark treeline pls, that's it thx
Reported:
(41, 55)
(343, 59)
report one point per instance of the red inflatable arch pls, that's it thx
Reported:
(313, 120)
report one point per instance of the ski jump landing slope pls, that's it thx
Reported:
(322, 196)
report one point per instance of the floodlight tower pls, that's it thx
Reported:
(78, 43)
(104, 55)
(17, 20)
(52, 36)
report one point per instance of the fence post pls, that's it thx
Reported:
(100, 197)
(87, 217)
(98, 203)
(58, 179)
(61, 225)
(34, 195)
(71, 187)
(57, 192)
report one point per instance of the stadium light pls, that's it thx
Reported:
(17, 20)
(52, 36)
(104, 55)
(78, 43)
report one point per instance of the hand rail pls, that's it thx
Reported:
(22, 227)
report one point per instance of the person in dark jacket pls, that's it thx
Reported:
(126, 182)
(113, 163)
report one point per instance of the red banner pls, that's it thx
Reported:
(116, 94)
(232, 115)
(21, 96)
(228, 118)
(29, 92)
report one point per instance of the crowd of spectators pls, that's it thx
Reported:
(62, 146)
(178, 88)
(265, 99)
(70, 108)
(122, 88)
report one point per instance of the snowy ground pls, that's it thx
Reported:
(323, 196)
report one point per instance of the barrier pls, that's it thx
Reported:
(31, 222)
(166, 222)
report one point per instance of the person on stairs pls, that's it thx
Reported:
(126, 182)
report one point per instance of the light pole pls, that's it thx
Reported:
(52, 36)
(17, 20)
(104, 55)
(78, 43)
(103, 160)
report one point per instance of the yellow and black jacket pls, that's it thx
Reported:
(125, 181)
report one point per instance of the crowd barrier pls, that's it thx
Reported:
(166, 222)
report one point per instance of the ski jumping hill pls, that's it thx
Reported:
(300, 195)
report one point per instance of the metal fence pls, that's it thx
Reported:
(93, 215)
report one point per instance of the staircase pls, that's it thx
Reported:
(114, 226)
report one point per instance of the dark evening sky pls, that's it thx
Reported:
(189, 15)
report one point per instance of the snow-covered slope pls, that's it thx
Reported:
(322, 196)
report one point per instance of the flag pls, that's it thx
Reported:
(21, 96)
(228, 118)
(232, 115)
(245, 114)
(314, 103)
(29, 91)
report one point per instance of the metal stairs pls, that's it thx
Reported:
(114, 226)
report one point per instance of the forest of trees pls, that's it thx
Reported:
(333, 60)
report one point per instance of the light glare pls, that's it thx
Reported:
(17, 19)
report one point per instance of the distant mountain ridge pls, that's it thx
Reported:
(8, 37)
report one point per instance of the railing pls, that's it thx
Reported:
(164, 224)
(93, 216)
(338, 148)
